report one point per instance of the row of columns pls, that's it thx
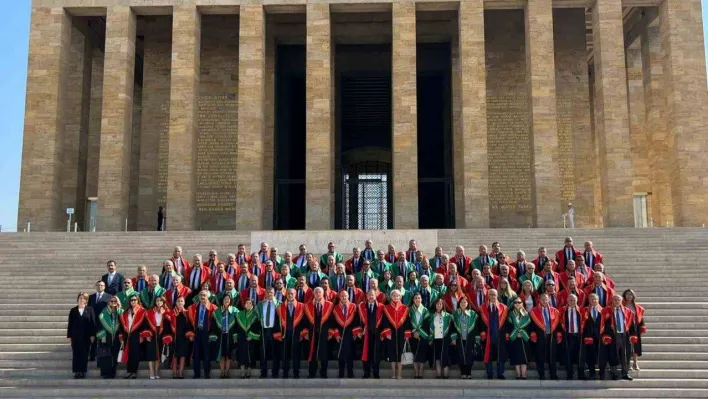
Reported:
(684, 78)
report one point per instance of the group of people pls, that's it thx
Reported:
(404, 307)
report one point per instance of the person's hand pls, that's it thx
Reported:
(454, 342)
(388, 337)
(339, 339)
(416, 335)
(149, 339)
(93, 339)
(361, 335)
(69, 340)
(191, 339)
(518, 335)
(248, 339)
(141, 340)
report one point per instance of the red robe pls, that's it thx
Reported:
(135, 282)
(513, 283)
(563, 297)
(245, 294)
(329, 295)
(261, 279)
(609, 292)
(564, 315)
(472, 296)
(241, 258)
(255, 264)
(192, 317)
(537, 261)
(213, 266)
(579, 280)
(560, 258)
(327, 308)
(447, 299)
(343, 322)
(225, 276)
(464, 264)
(363, 308)
(537, 317)
(182, 292)
(396, 316)
(484, 314)
(597, 257)
(608, 317)
(158, 332)
(138, 318)
(461, 281)
(496, 270)
(556, 278)
(182, 272)
(444, 269)
(359, 295)
(203, 277)
(282, 312)
(349, 265)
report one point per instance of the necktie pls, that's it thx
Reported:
(402, 267)
(594, 313)
(339, 283)
(485, 260)
(152, 294)
(169, 281)
(290, 308)
(218, 284)
(195, 279)
(599, 292)
(590, 259)
(200, 325)
(253, 295)
(618, 321)
(425, 298)
(344, 311)
(242, 283)
(568, 255)
(480, 297)
(571, 320)
(366, 282)
(351, 293)
(547, 320)
(319, 309)
(299, 295)
(413, 257)
(312, 278)
(268, 279)
(225, 323)
(175, 295)
(356, 265)
(98, 297)
(269, 309)
(110, 279)
(371, 308)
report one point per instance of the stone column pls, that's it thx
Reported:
(183, 125)
(612, 114)
(405, 117)
(541, 82)
(319, 169)
(660, 201)
(117, 119)
(470, 162)
(637, 117)
(251, 119)
(684, 70)
(47, 73)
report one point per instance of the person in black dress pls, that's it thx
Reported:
(108, 327)
(419, 316)
(518, 326)
(440, 325)
(81, 332)
(590, 351)
(181, 343)
(247, 338)
(465, 336)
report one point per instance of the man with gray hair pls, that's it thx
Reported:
(318, 312)
(152, 292)
(180, 262)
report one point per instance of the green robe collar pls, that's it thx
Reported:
(105, 319)
(519, 326)
(231, 316)
(471, 319)
(246, 318)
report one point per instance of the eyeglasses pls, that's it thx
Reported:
(517, 303)
(133, 300)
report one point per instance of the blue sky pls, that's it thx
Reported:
(14, 39)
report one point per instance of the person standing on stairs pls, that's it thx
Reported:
(108, 327)
(629, 299)
(617, 329)
(81, 333)
(113, 279)
(98, 302)
(132, 336)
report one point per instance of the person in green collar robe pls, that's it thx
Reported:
(483, 258)
(127, 292)
(206, 287)
(412, 284)
(428, 294)
(506, 294)
(439, 284)
(167, 279)
(288, 279)
(314, 276)
(406, 296)
(402, 266)
(420, 329)
(386, 284)
(152, 292)
(365, 275)
(108, 344)
(338, 258)
(247, 338)
(286, 261)
(275, 258)
(222, 333)
(518, 326)
(229, 290)
(380, 265)
(531, 275)
(440, 334)
(465, 336)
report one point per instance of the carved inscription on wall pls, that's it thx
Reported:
(509, 151)
(163, 129)
(566, 161)
(216, 148)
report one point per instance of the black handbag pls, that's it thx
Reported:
(103, 351)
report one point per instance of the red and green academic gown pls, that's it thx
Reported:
(465, 348)
(518, 347)
(640, 328)
(546, 342)
(147, 300)
(493, 351)
(109, 327)
(160, 336)
(318, 332)
(224, 338)
(343, 329)
(397, 326)
(441, 346)
(131, 335)
(420, 346)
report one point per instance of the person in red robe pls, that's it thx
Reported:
(218, 281)
(464, 262)
(318, 313)
(269, 275)
(493, 315)
(546, 336)
(566, 254)
(199, 317)
(550, 290)
(290, 314)
(370, 320)
(181, 264)
(254, 292)
(178, 290)
(504, 273)
(160, 334)
(542, 258)
(444, 267)
(571, 272)
(572, 289)
(353, 264)
(255, 267)
(617, 329)
(605, 278)
(231, 265)
(241, 255)
(599, 288)
(196, 276)
(453, 275)
(132, 335)
(452, 297)
(591, 256)
(396, 330)
(571, 322)
(547, 273)
(345, 320)
(356, 295)
(302, 290)
(213, 261)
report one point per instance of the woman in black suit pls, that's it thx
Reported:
(81, 332)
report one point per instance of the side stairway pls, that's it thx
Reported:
(41, 273)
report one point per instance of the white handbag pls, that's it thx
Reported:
(407, 356)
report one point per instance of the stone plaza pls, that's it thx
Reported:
(318, 115)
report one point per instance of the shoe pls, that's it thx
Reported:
(501, 377)
(614, 377)
(627, 377)
(524, 378)
(157, 376)
(152, 377)
(134, 377)
(365, 377)
(635, 366)
(376, 377)
(207, 377)
(180, 377)
(296, 377)
(129, 376)
(76, 376)
(196, 377)
(490, 377)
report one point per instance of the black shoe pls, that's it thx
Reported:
(569, 377)
(296, 377)
(524, 378)
(542, 377)
(341, 376)
(554, 377)
(207, 377)
(615, 377)
(376, 377)
(490, 377)
(285, 376)
(134, 377)
(76, 376)
(310, 376)
(582, 377)
(196, 377)
(627, 377)
(501, 377)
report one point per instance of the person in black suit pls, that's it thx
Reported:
(81, 332)
(113, 279)
(98, 302)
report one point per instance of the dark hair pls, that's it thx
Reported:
(464, 298)
(224, 299)
(629, 291)
(434, 305)
(163, 299)
(110, 261)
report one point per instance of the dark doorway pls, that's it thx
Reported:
(363, 140)
(435, 188)
(290, 157)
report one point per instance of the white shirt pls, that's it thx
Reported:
(130, 321)
(81, 311)
(573, 322)
(438, 323)
(529, 303)
(158, 319)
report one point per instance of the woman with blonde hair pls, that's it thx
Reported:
(629, 300)
(395, 328)
(81, 332)
(107, 336)
(518, 323)
(506, 294)
(528, 296)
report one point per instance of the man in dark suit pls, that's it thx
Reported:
(113, 279)
(98, 302)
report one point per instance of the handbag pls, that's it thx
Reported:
(103, 351)
(407, 356)
(120, 353)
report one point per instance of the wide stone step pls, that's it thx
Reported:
(689, 356)
(663, 346)
(685, 332)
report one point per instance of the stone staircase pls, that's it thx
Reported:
(41, 273)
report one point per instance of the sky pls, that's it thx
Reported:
(14, 41)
